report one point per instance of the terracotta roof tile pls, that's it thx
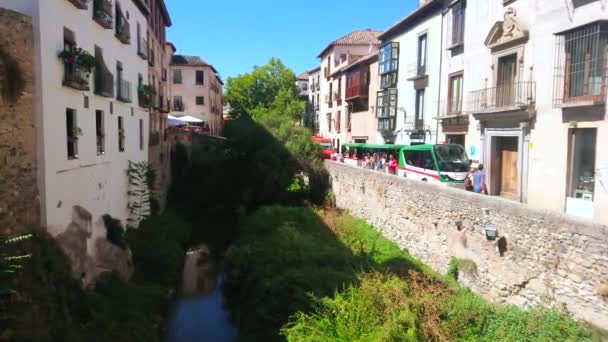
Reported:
(361, 37)
(188, 60)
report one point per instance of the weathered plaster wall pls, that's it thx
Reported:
(19, 199)
(549, 259)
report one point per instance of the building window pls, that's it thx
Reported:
(73, 133)
(338, 117)
(177, 76)
(422, 49)
(386, 109)
(388, 65)
(581, 171)
(458, 15)
(121, 134)
(200, 100)
(200, 77)
(331, 95)
(141, 134)
(100, 132)
(419, 114)
(329, 122)
(178, 104)
(581, 64)
(455, 94)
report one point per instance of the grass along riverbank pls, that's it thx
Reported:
(299, 274)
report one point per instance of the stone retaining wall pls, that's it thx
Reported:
(19, 199)
(539, 258)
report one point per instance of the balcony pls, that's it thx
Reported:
(102, 13)
(80, 4)
(328, 98)
(104, 80)
(447, 109)
(337, 96)
(412, 124)
(515, 97)
(143, 97)
(142, 47)
(75, 76)
(386, 124)
(154, 139)
(178, 106)
(124, 91)
(123, 30)
(151, 58)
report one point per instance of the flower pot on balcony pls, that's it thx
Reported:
(76, 77)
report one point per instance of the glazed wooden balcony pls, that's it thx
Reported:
(102, 13)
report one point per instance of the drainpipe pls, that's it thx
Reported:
(440, 80)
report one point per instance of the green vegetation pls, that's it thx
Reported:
(53, 306)
(306, 275)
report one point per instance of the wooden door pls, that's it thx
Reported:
(509, 180)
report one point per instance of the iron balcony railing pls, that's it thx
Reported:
(123, 30)
(102, 13)
(178, 106)
(124, 91)
(580, 76)
(502, 98)
(143, 98)
(104, 81)
(142, 47)
(413, 124)
(450, 108)
(75, 76)
(151, 57)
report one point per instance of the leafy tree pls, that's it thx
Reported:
(257, 91)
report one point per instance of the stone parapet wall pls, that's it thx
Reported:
(19, 197)
(539, 258)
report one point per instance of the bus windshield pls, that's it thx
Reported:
(325, 145)
(452, 158)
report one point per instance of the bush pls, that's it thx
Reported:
(158, 248)
(375, 310)
(115, 233)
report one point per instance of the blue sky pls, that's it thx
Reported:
(235, 35)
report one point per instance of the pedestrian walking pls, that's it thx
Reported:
(392, 165)
(479, 181)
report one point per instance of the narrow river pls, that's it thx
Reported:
(199, 315)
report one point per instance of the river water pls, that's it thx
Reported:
(199, 315)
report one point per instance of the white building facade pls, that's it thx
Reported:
(409, 76)
(314, 98)
(89, 126)
(524, 89)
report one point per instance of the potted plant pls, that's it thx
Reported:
(78, 56)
